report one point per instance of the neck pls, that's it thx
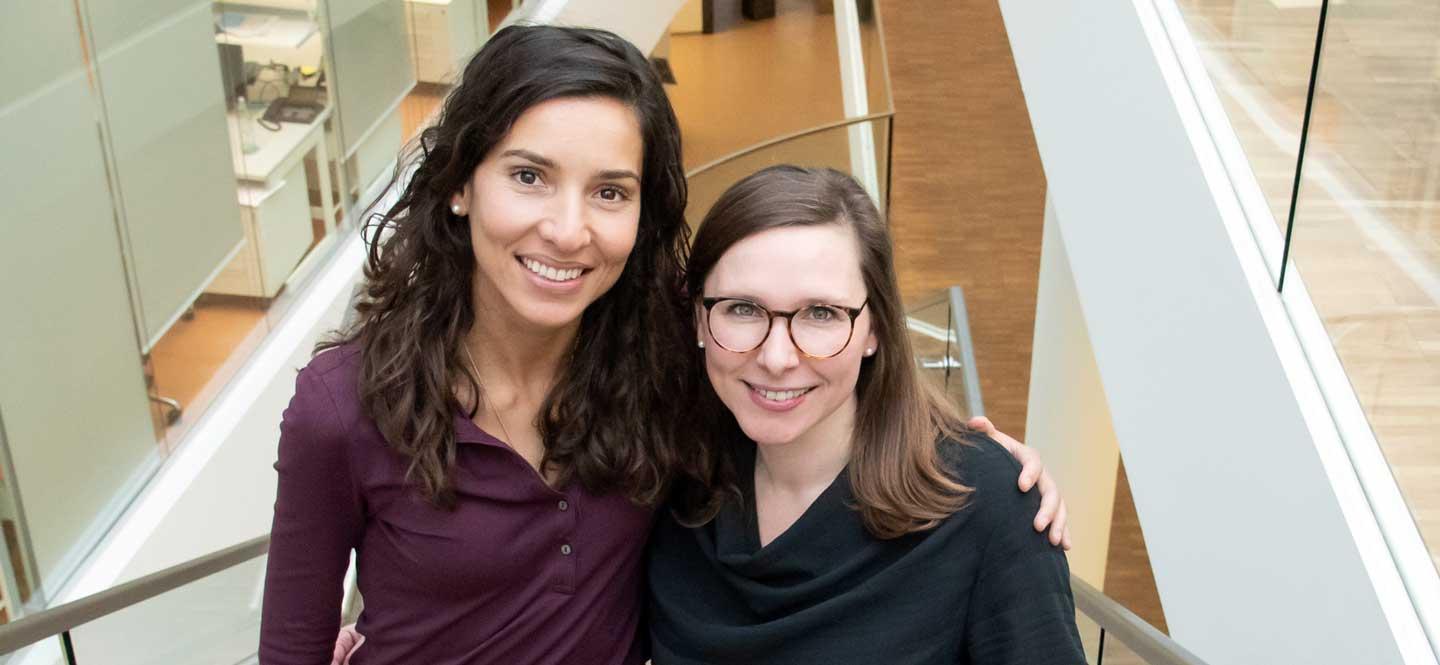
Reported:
(814, 459)
(515, 359)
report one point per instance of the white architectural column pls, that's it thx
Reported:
(1069, 419)
(1263, 546)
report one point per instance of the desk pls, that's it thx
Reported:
(273, 192)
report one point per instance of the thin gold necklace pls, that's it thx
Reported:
(483, 400)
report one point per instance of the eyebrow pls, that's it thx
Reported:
(537, 158)
(541, 160)
(807, 303)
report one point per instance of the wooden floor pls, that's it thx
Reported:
(755, 80)
(1367, 229)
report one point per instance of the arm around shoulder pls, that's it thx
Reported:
(318, 520)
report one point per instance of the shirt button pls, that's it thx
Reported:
(565, 549)
(564, 505)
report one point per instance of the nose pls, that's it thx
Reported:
(567, 227)
(778, 352)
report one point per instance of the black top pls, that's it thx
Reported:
(983, 587)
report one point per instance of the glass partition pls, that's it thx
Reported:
(71, 361)
(1258, 55)
(1367, 230)
(175, 170)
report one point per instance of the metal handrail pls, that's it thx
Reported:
(1152, 646)
(64, 618)
(960, 321)
(784, 138)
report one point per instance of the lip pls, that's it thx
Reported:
(559, 288)
(778, 407)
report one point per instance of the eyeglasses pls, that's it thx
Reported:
(818, 331)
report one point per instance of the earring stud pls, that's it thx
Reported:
(701, 343)
(869, 352)
(455, 208)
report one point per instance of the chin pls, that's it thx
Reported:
(552, 316)
(769, 433)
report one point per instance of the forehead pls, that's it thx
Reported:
(598, 132)
(791, 267)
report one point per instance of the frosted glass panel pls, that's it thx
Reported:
(371, 63)
(73, 393)
(166, 113)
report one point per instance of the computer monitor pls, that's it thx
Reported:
(232, 72)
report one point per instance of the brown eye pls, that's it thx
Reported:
(526, 176)
(612, 194)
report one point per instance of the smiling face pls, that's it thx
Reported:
(554, 209)
(778, 394)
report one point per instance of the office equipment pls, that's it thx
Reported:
(290, 109)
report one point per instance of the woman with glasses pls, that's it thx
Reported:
(853, 518)
(492, 436)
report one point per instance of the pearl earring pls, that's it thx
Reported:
(701, 343)
(869, 352)
(455, 208)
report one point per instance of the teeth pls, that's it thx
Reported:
(782, 395)
(551, 273)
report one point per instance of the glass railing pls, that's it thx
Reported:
(207, 609)
(860, 147)
(810, 68)
(1334, 106)
(940, 336)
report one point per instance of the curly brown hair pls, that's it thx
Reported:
(609, 421)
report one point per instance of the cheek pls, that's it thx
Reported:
(616, 240)
(843, 371)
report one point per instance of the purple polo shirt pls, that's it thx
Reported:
(518, 573)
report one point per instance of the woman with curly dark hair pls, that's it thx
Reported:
(492, 435)
(489, 436)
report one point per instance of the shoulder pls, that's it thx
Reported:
(978, 461)
(332, 376)
(985, 466)
(326, 398)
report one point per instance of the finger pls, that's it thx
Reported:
(982, 423)
(1057, 529)
(1065, 540)
(1049, 503)
(360, 639)
(1032, 468)
(1062, 517)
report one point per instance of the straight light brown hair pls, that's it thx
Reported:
(896, 474)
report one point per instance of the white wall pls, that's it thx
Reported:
(1263, 547)
(1069, 419)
